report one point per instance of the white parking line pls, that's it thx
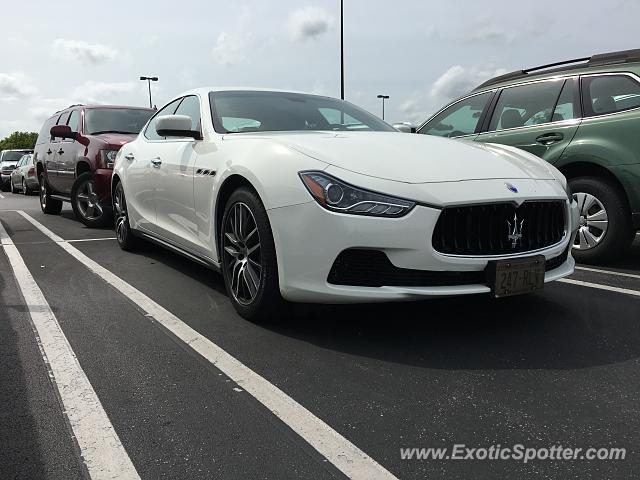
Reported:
(90, 239)
(101, 449)
(1, 196)
(344, 455)
(600, 286)
(608, 272)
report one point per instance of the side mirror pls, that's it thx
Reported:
(404, 127)
(62, 131)
(176, 126)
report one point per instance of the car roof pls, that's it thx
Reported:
(203, 91)
(603, 62)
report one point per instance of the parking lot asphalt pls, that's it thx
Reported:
(557, 368)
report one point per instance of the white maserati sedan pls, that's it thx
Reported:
(307, 198)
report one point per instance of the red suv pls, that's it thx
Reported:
(74, 157)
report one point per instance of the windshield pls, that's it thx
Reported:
(11, 156)
(115, 120)
(247, 111)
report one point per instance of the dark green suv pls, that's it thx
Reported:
(583, 116)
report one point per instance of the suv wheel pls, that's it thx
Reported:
(124, 234)
(85, 202)
(49, 205)
(249, 265)
(604, 230)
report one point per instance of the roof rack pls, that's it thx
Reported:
(70, 106)
(611, 58)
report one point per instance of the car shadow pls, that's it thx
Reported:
(630, 261)
(555, 329)
(69, 215)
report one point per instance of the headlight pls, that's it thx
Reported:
(108, 158)
(338, 196)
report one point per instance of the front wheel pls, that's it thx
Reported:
(604, 231)
(48, 205)
(124, 234)
(249, 264)
(86, 204)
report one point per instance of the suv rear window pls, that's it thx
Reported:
(610, 94)
(115, 120)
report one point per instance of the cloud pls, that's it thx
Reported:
(455, 82)
(102, 92)
(229, 49)
(86, 53)
(308, 23)
(15, 85)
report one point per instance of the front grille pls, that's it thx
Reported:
(485, 229)
(372, 268)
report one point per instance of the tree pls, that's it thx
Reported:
(19, 140)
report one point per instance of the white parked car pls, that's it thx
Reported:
(23, 178)
(311, 199)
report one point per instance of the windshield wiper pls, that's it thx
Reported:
(111, 131)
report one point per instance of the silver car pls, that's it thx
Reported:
(23, 178)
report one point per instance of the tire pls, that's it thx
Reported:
(25, 189)
(12, 188)
(605, 231)
(85, 203)
(254, 299)
(124, 234)
(49, 205)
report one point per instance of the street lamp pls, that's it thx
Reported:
(342, 49)
(383, 97)
(149, 80)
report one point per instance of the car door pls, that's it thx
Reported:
(52, 156)
(138, 157)
(172, 175)
(68, 154)
(461, 119)
(17, 172)
(540, 117)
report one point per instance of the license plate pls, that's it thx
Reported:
(515, 277)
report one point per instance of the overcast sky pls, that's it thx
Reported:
(422, 54)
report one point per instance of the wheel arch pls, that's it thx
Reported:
(83, 166)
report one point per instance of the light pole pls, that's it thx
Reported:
(149, 80)
(342, 49)
(383, 97)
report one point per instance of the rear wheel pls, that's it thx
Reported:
(48, 205)
(86, 204)
(13, 189)
(124, 234)
(249, 264)
(604, 231)
(25, 189)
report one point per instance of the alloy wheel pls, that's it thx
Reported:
(87, 201)
(594, 222)
(43, 193)
(120, 212)
(243, 259)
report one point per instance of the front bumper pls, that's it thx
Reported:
(309, 238)
(102, 183)
(5, 178)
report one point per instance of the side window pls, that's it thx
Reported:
(565, 108)
(74, 120)
(44, 135)
(525, 105)
(190, 106)
(150, 131)
(61, 120)
(609, 94)
(461, 118)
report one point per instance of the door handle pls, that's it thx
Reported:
(49, 152)
(130, 156)
(156, 162)
(549, 138)
(60, 152)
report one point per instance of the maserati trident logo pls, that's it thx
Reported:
(515, 230)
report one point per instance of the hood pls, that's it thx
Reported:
(416, 158)
(116, 140)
